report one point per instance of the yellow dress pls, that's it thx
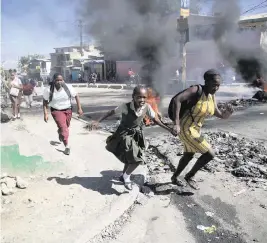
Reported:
(190, 133)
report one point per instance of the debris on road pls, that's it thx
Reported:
(244, 158)
(208, 230)
(240, 192)
(240, 104)
(263, 206)
(209, 214)
(9, 183)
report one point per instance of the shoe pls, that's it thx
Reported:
(128, 185)
(67, 151)
(191, 182)
(18, 116)
(177, 182)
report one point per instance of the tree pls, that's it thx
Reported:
(24, 61)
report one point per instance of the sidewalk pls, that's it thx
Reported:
(69, 198)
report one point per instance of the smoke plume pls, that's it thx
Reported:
(240, 49)
(142, 30)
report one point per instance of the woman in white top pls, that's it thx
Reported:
(58, 96)
(15, 94)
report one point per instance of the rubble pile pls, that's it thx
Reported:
(240, 104)
(243, 158)
(9, 183)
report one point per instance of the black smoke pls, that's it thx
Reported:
(240, 47)
(143, 30)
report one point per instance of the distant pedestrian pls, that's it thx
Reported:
(58, 96)
(128, 143)
(94, 77)
(188, 110)
(15, 93)
(28, 91)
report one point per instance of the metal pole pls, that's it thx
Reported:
(81, 37)
(182, 69)
(183, 58)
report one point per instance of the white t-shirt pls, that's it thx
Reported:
(14, 91)
(16, 81)
(60, 100)
(122, 109)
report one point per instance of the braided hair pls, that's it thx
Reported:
(52, 85)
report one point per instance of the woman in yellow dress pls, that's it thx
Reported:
(189, 125)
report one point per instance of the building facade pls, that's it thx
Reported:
(39, 69)
(66, 59)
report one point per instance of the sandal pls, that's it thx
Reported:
(192, 183)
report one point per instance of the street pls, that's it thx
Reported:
(170, 215)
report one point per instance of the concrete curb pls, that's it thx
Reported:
(103, 86)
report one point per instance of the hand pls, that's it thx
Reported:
(178, 128)
(94, 125)
(229, 108)
(174, 133)
(80, 112)
(46, 117)
(228, 111)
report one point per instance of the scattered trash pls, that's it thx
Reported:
(261, 113)
(263, 206)
(191, 205)
(244, 158)
(208, 230)
(209, 214)
(240, 192)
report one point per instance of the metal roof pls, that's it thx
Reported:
(255, 17)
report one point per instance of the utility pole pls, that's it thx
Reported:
(183, 31)
(81, 36)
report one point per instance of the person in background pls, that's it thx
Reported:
(94, 77)
(15, 88)
(28, 91)
(189, 125)
(128, 143)
(58, 96)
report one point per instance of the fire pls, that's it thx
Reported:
(153, 100)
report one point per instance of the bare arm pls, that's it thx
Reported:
(45, 107)
(218, 113)
(223, 114)
(77, 98)
(158, 122)
(186, 95)
(108, 114)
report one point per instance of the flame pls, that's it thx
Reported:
(153, 100)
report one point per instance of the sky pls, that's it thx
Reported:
(38, 26)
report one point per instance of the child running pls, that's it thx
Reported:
(128, 143)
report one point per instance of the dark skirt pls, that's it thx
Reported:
(127, 145)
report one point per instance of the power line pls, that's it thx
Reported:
(253, 8)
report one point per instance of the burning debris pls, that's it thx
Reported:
(243, 158)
